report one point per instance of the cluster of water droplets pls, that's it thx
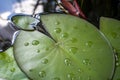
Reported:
(34, 42)
(86, 61)
(117, 56)
(58, 30)
(67, 61)
(117, 61)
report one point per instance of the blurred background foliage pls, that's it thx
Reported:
(93, 9)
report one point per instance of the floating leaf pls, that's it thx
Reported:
(80, 52)
(111, 28)
(8, 67)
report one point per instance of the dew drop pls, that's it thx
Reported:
(117, 60)
(86, 62)
(79, 70)
(12, 69)
(117, 64)
(45, 61)
(26, 44)
(71, 76)
(38, 51)
(42, 74)
(114, 35)
(73, 50)
(56, 78)
(57, 30)
(67, 61)
(57, 23)
(73, 40)
(89, 43)
(114, 50)
(35, 42)
(30, 70)
(64, 35)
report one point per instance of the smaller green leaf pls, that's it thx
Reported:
(8, 67)
(28, 22)
(111, 28)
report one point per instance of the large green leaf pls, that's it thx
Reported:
(111, 28)
(81, 52)
(8, 67)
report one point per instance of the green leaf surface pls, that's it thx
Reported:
(111, 28)
(81, 52)
(8, 67)
(24, 22)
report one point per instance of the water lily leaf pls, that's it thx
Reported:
(80, 51)
(8, 67)
(111, 28)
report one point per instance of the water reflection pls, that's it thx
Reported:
(7, 34)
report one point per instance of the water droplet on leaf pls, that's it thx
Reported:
(64, 35)
(73, 40)
(35, 42)
(67, 61)
(42, 74)
(79, 70)
(86, 62)
(89, 43)
(71, 76)
(117, 63)
(117, 60)
(57, 23)
(38, 51)
(114, 35)
(45, 61)
(26, 44)
(57, 30)
(73, 50)
(114, 50)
